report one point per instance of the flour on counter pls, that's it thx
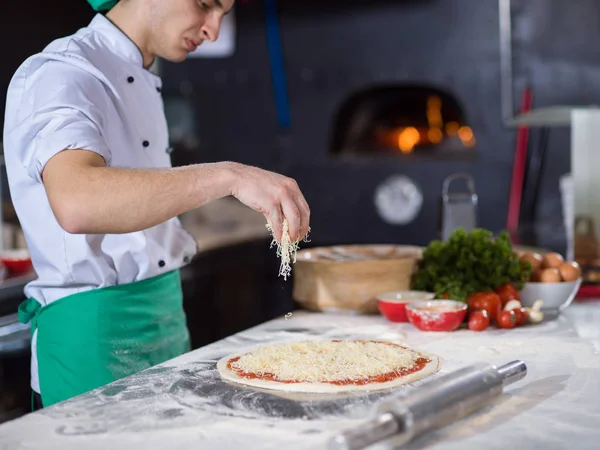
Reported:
(183, 404)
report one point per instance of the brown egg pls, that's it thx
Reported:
(536, 274)
(535, 259)
(550, 275)
(552, 260)
(569, 271)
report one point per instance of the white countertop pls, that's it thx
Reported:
(184, 405)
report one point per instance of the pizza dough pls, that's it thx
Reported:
(328, 366)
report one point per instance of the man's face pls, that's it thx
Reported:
(179, 26)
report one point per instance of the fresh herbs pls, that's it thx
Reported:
(468, 263)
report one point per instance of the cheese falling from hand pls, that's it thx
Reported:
(286, 249)
(324, 361)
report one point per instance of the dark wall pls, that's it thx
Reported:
(333, 51)
(27, 27)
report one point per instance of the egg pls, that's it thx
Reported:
(569, 271)
(535, 275)
(535, 259)
(552, 260)
(550, 275)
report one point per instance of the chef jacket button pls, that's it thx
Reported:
(146, 144)
(186, 259)
(130, 79)
(158, 89)
(170, 150)
(161, 263)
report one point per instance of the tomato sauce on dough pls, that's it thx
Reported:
(419, 364)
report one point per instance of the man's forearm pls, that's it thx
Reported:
(103, 200)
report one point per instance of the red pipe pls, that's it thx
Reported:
(516, 187)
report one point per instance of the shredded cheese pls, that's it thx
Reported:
(286, 249)
(323, 361)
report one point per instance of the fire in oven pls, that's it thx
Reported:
(402, 120)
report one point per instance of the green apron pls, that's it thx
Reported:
(93, 338)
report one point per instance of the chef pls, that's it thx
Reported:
(86, 149)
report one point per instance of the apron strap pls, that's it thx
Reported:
(29, 311)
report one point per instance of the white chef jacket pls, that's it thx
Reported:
(89, 91)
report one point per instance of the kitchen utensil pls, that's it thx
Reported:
(567, 197)
(586, 244)
(535, 166)
(432, 405)
(348, 278)
(459, 209)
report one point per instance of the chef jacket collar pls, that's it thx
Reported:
(119, 42)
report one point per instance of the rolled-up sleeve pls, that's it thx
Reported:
(57, 118)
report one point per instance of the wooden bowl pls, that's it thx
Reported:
(348, 278)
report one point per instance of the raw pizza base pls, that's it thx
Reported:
(325, 388)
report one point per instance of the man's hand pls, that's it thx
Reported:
(276, 196)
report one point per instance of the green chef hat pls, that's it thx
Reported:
(102, 5)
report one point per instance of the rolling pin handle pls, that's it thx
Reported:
(512, 372)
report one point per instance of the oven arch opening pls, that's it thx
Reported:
(403, 121)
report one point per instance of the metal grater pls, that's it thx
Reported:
(459, 209)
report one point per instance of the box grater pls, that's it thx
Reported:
(459, 208)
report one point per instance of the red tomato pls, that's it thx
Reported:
(507, 292)
(479, 320)
(486, 300)
(521, 316)
(507, 319)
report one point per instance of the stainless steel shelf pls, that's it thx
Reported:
(14, 336)
(551, 116)
(13, 286)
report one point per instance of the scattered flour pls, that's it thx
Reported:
(183, 404)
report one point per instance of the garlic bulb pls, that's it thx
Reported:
(534, 314)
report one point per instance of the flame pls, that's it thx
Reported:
(465, 134)
(407, 139)
(452, 128)
(435, 135)
(434, 112)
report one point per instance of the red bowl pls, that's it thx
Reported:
(16, 261)
(436, 315)
(392, 305)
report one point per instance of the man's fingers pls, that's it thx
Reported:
(276, 219)
(302, 207)
(292, 215)
(277, 197)
(304, 216)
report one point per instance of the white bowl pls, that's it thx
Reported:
(555, 296)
